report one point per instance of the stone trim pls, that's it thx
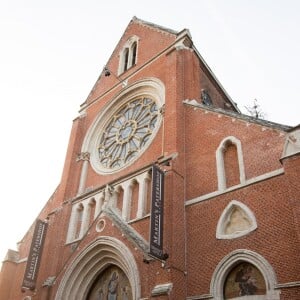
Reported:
(127, 230)
(287, 285)
(82, 271)
(221, 172)
(128, 47)
(237, 115)
(220, 234)
(12, 256)
(147, 87)
(292, 144)
(236, 187)
(200, 297)
(162, 289)
(234, 258)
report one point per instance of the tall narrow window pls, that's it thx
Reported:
(230, 164)
(126, 56)
(133, 50)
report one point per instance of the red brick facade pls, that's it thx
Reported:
(231, 189)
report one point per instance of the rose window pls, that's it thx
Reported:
(127, 132)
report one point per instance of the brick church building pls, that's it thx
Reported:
(168, 191)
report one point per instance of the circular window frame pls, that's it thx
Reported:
(147, 88)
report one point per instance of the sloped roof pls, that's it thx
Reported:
(155, 26)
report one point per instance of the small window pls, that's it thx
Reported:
(133, 59)
(128, 55)
(230, 163)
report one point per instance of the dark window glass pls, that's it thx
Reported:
(126, 55)
(134, 47)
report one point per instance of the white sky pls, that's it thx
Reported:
(52, 52)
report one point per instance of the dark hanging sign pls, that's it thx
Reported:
(35, 253)
(157, 210)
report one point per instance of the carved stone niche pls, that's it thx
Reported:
(236, 220)
(292, 143)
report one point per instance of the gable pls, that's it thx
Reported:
(150, 40)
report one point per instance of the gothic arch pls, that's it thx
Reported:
(235, 221)
(94, 259)
(221, 172)
(128, 54)
(244, 256)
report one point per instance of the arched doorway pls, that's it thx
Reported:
(104, 261)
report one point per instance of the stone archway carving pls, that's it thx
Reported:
(244, 256)
(94, 259)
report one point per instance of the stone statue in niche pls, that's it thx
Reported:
(111, 284)
(205, 98)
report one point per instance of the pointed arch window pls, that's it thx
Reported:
(230, 163)
(128, 55)
(133, 49)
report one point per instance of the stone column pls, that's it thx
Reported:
(73, 224)
(143, 180)
(127, 187)
(99, 203)
(85, 219)
(85, 157)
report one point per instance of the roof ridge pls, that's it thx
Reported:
(153, 25)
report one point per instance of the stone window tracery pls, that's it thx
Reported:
(127, 132)
(128, 55)
(125, 127)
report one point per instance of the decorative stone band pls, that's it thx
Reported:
(127, 230)
(200, 297)
(287, 285)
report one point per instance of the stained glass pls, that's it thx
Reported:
(127, 133)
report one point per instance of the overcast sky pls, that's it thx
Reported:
(52, 52)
